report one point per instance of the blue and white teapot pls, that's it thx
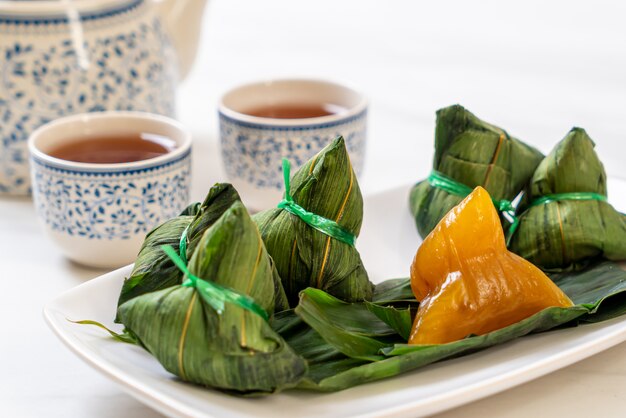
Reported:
(59, 57)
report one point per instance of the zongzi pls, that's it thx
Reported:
(468, 283)
(153, 270)
(232, 347)
(472, 153)
(568, 221)
(324, 190)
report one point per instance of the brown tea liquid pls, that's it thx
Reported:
(114, 149)
(295, 111)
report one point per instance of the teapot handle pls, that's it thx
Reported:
(183, 19)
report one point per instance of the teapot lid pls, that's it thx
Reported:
(43, 9)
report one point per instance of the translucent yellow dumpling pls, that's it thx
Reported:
(467, 281)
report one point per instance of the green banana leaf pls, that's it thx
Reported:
(474, 153)
(323, 359)
(568, 234)
(236, 350)
(599, 289)
(153, 270)
(394, 292)
(305, 257)
(350, 327)
(399, 319)
(599, 294)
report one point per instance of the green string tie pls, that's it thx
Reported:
(549, 198)
(325, 226)
(441, 181)
(212, 293)
(182, 245)
(568, 196)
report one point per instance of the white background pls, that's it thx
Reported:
(536, 68)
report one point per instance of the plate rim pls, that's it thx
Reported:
(170, 406)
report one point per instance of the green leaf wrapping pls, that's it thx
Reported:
(337, 329)
(153, 270)
(235, 351)
(305, 257)
(474, 153)
(569, 233)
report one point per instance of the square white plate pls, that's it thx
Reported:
(387, 244)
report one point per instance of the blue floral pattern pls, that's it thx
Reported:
(110, 205)
(126, 62)
(253, 153)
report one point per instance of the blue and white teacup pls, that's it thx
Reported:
(99, 214)
(253, 146)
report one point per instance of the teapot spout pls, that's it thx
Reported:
(183, 19)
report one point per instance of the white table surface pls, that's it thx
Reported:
(536, 68)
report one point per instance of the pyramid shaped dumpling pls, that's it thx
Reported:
(467, 281)
(568, 234)
(474, 153)
(236, 349)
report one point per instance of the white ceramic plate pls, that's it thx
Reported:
(387, 244)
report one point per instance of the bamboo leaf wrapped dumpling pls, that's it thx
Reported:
(305, 257)
(236, 350)
(153, 270)
(568, 221)
(473, 153)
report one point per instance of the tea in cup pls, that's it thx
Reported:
(263, 122)
(102, 181)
